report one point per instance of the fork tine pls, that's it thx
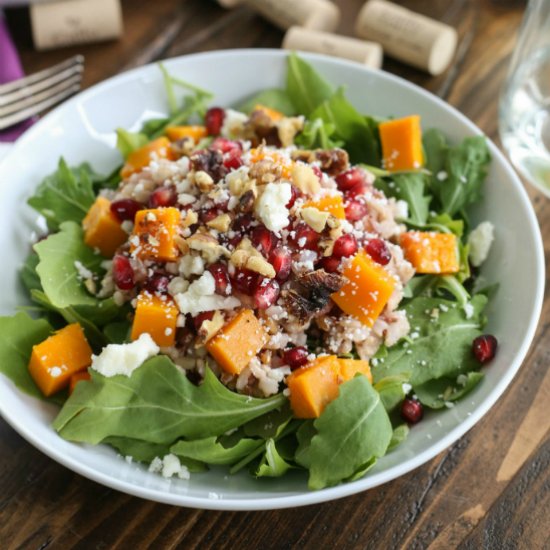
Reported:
(40, 75)
(35, 87)
(6, 122)
(29, 100)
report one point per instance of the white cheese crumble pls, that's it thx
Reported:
(169, 466)
(271, 206)
(480, 240)
(468, 310)
(201, 296)
(233, 124)
(124, 358)
(83, 271)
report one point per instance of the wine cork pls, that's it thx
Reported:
(63, 23)
(307, 40)
(321, 15)
(408, 36)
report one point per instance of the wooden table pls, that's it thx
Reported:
(489, 490)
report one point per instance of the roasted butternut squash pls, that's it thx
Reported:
(367, 290)
(273, 114)
(238, 342)
(157, 317)
(401, 144)
(429, 252)
(57, 358)
(78, 377)
(350, 367)
(196, 133)
(102, 229)
(140, 158)
(333, 204)
(155, 233)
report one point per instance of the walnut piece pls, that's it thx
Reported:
(316, 219)
(305, 179)
(207, 246)
(220, 223)
(211, 328)
(204, 181)
(287, 128)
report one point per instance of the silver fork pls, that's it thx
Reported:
(37, 92)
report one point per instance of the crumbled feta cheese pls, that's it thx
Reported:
(55, 372)
(468, 310)
(271, 206)
(191, 265)
(480, 240)
(169, 466)
(124, 358)
(442, 175)
(83, 271)
(233, 123)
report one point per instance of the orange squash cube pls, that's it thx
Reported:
(238, 342)
(78, 377)
(367, 290)
(196, 133)
(140, 158)
(350, 367)
(430, 252)
(273, 114)
(155, 233)
(333, 204)
(401, 144)
(102, 230)
(313, 386)
(157, 317)
(57, 358)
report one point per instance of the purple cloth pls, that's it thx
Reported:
(10, 69)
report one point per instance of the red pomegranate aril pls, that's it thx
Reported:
(208, 214)
(412, 411)
(378, 250)
(484, 348)
(163, 197)
(263, 239)
(232, 159)
(295, 357)
(158, 283)
(345, 246)
(266, 293)
(244, 281)
(350, 178)
(281, 261)
(355, 210)
(123, 273)
(125, 209)
(305, 237)
(199, 319)
(221, 278)
(357, 191)
(295, 193)
(226, 145)
(213, 120)
(242, 223)
(330, 264)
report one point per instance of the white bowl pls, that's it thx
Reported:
(82, 130)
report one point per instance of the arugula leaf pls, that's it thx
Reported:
(272, 463)
(128, 142)
(442, 345)
(436, 393)
(64, 195)
(435, 149)
(211, 451)
(274, 98)
(398, 436)
(305, 87)
(318, 134)
(117, 332)
(391, 390)
(29, 277)
(269, 425)
(18, 334)
(360, 141)
(410, 187)
(156, 404)
(353, 430)
(57, 271)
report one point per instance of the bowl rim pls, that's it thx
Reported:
(346, 489)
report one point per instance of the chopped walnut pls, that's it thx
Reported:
(316, 219)
(183, 147)
(211, 328)
(247, 200)
(240, 184)
(248, 257)
(265, 171)
(188, 219)
(207, 246)
(305, 179)
(220, 223)
(287, 129)
(304, 155)
(204, 181)
(333, 161)
(181, 244)
(260, 265)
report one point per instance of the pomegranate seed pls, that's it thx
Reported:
(125, 209)
(232, 159)
(266, 292)
(208, 214)
(484, 348)
(281, 261)
(355, 210)
(412, 411)
(242, 223)
(350, 178)
(226, 145)
(244, 280)
(378, 251)
(330, 264)
(221, 278)
(213, 120)
(345, 246)
(201, 318)
(295, 193)
(163, 197)
(235, 241)
(305, 237)
(263, 239)
(123, 273)
(158, 283)
(295, 357)
(357, 190)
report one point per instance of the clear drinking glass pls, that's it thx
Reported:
(524, 114)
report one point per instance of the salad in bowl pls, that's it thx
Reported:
(283, 284)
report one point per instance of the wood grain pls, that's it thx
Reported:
(489, 490)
